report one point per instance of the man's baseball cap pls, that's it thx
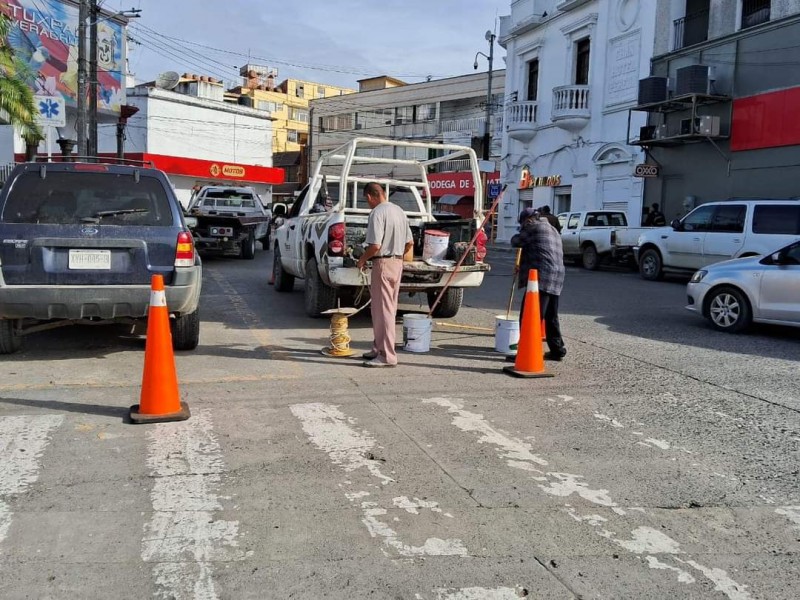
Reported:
(527, 213)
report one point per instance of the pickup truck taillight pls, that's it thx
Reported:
(184, 255)
(336, 238)
(480, 246)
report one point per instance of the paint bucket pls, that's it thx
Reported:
(506, 334)
(436, 243)
(417, 332)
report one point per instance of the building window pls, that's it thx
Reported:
(582, 62)
(298, 114)
(320, 92)
(425, 113)
(754, 12)
(533, 80)
(404, 114)
(269, 106)
(292, 135)
(300, 91)
(343, 122)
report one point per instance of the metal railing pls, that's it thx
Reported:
(474, 125)
(5, 171)
(521, 113)
(453, 165)
(755, 12)
(571, 101)
(691, 29)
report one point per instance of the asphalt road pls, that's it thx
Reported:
(660, 461)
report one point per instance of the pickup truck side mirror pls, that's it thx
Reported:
(677, 225)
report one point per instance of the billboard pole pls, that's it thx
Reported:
(83, 13)
(93, 15)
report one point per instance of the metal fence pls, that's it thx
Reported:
(691, 29)
(5, 171)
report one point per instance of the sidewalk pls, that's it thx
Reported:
(499, 247)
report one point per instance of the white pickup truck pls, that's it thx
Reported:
(323, 235)
(591, 237)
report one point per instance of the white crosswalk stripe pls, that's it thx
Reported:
(22, 442)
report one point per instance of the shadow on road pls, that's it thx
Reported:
(122, 412)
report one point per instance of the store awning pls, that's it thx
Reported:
(450, 199)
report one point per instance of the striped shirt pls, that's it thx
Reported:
(541, 250)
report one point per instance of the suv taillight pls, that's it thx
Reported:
(184, 255)
(336, 238)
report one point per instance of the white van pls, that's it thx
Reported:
(718, 231)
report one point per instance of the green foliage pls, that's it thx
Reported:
(16, 98)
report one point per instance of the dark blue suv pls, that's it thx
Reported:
(79, 243)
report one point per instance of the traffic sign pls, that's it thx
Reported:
(51, 111)
(494, 190)
(645, 170)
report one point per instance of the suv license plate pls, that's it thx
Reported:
(90, 259)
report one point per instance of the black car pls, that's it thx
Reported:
(79, 243)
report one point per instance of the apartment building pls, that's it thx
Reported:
(287, 103)
(451, 110)
(722, 103)
(572, 73)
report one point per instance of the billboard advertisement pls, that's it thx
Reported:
(44, 36)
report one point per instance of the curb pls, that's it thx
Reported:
(506, 248)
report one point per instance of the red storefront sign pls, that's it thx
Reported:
(194, 167)
(766, 120)
(456, 183)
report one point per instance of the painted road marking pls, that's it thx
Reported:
(182, 538)
(22, 442)
(352, 450)
(644, 540)
(476, 593)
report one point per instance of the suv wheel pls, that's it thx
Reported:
(319, 296)
(589, 258)
(186, 331)
(249, 246)
(10, 339)
(650, 267)
(728, 310)
(282, 280)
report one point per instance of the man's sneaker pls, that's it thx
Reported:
(369, 355)
(553, 356)
(376, 364)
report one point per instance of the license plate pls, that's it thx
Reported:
(90, 259)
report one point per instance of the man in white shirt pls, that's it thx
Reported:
(388, 239)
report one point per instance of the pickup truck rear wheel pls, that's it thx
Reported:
(650, 267)
(282, 280)
(249, 246)
(186, 331)
(10, 339)
(589, 257)
(319, 296)
(450, 303)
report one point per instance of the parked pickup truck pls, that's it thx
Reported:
(591, 237)
(323, 235)
(229, 221)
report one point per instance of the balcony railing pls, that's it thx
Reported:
(520, 120)
(571, 109)
(755, 12)
(691, 29)
(474, 125)
(453, 165)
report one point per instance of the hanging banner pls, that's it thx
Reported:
(44, 37)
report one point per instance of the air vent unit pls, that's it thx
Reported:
(652, 89)
(692, 80)
(646, 133)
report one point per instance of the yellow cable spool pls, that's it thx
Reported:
(340, 336)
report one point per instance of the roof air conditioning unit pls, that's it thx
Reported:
(652, 90)
(693, 79)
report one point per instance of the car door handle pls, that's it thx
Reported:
(737, 241)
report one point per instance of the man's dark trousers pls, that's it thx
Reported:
(548, 306)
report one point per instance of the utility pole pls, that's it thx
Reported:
(83, 13)
(93, 15)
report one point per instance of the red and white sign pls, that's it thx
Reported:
(194, 167)
(456, 183)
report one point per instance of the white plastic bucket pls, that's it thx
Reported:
(506, 334)
(436, 243)
(417, 332)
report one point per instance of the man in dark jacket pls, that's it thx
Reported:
(551, 218)
(541, 250)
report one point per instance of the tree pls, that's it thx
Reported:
(16, 98)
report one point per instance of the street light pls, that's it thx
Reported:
(490, 37)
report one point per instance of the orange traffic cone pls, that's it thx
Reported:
(530, 357)
(160, 399)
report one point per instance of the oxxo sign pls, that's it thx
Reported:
(644, 170)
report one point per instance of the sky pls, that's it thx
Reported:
(327, 41)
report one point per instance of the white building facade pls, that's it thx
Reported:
(572, 74)
(451, 111)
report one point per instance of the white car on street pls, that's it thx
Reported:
(761, 289)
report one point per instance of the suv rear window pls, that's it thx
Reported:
(64, 198)
(776, 219)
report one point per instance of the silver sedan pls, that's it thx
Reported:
(761, 289)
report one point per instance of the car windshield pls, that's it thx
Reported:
(65, 198)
